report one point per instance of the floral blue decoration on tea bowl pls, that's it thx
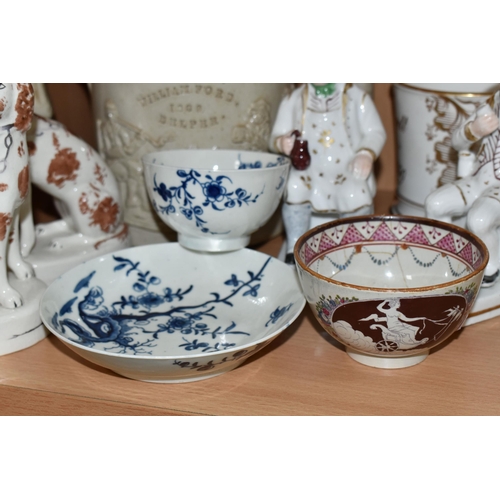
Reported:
(215, 199)
(390, 288)
(164, 313)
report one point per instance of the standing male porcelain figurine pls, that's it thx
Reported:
(476, 193)
(344, 135)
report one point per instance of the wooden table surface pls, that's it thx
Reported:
(302, 372)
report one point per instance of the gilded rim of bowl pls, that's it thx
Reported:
(397, 218)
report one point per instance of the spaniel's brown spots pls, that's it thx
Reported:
(98, 174)
(63, 167)
(24, 106)
(20, 149)
(83, 204)
(23, 181)
(3, 187)
(106, 215)
(31, 148)
(2, 106)
(5, 222)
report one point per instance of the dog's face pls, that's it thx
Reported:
(16, 105)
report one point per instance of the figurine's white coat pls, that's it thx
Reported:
(345, 135)
(337, 129)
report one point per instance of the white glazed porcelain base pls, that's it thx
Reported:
(487, 305)
(140, 236)
(386, 362)
(213, 245)
(406, 207)
(22, 327)
(49, 263)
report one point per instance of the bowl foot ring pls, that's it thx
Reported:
(213, 244)
(387, 362)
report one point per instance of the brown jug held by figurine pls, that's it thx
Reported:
(299, 155)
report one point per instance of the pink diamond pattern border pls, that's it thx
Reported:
(384, 234)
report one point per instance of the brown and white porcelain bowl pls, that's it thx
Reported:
(390, 288)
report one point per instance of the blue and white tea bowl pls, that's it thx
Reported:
(390, 288)
(164, 313)
(215, 199)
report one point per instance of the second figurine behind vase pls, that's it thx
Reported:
(343, 133)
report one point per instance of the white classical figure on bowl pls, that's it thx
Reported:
(20, 291)
(474, 197)
(344, 137)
